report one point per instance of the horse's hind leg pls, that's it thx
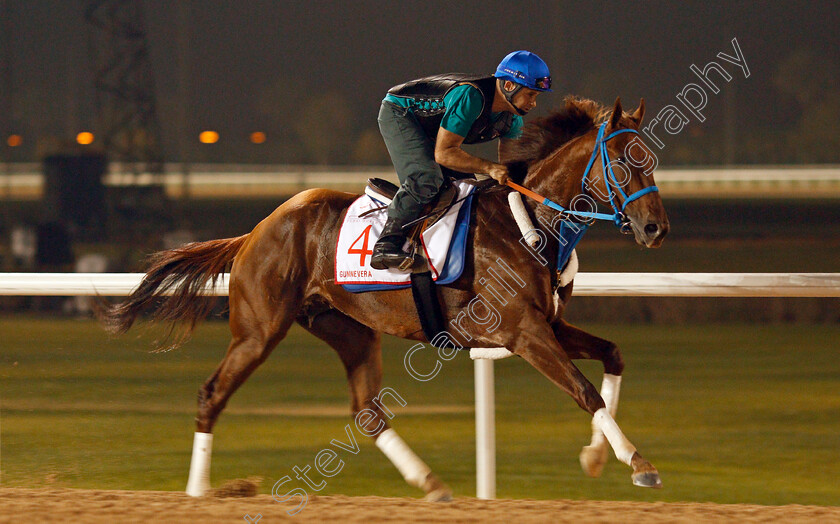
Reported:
(258, 324)
(359, 348)
(243, 357)
(579, 344)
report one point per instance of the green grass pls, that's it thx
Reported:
(728, 413)
(711, 256)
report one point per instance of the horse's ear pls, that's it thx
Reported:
(616, 115)
(639, 113)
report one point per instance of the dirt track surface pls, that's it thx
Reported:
(100, 506)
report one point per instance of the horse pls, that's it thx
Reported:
(282, 272)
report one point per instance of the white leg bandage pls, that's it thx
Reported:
(199, 481)
(609, 392)
(623, 448)
(520, 214)
(413, 469)
(569, 272)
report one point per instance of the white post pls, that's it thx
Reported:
(485, 430)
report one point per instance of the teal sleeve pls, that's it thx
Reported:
(463, 106)
(398, 100)
(515, 128)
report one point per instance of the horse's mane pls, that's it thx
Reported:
(543, 136)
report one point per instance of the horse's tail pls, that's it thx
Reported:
(175, 282)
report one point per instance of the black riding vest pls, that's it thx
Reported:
(434, 88)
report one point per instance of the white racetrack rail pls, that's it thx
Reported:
(586, 284)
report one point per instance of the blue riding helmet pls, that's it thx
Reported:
(526, 69)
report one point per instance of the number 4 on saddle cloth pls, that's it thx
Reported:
(443, 243)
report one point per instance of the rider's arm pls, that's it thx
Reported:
(463, 106)
(448, 153)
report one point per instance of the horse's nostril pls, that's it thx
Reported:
(651, 229)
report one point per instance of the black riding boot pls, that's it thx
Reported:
(388, 252)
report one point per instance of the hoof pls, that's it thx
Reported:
(593, 459)
(648, 479)
(436, 490)
(439, 495)
(644, 474)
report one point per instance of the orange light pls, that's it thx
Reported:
(257, 137)
(208, 137)
(84, 138)
(14, 140)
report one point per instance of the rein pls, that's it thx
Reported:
(618, 217)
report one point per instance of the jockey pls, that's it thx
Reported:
(425, 121)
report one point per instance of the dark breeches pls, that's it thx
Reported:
(413, 156)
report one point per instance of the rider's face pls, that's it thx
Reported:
(525, 99)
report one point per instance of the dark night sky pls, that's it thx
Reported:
(256, 64)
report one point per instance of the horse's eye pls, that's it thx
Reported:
(621, 160)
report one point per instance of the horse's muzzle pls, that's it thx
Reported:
(652, 233)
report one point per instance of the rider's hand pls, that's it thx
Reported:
(499, 173)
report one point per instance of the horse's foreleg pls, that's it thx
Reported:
(581, 345)
(594, 457)
(542, 351)
(359, 349)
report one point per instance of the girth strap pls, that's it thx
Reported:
(424, 292)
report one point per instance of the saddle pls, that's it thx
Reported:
(381, 189)
(423, 288)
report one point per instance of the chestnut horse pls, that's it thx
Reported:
(283, 272)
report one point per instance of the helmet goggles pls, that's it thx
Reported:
(542, 83)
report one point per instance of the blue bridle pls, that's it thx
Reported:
(571, 233)
(618, 216)
(606, 165)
